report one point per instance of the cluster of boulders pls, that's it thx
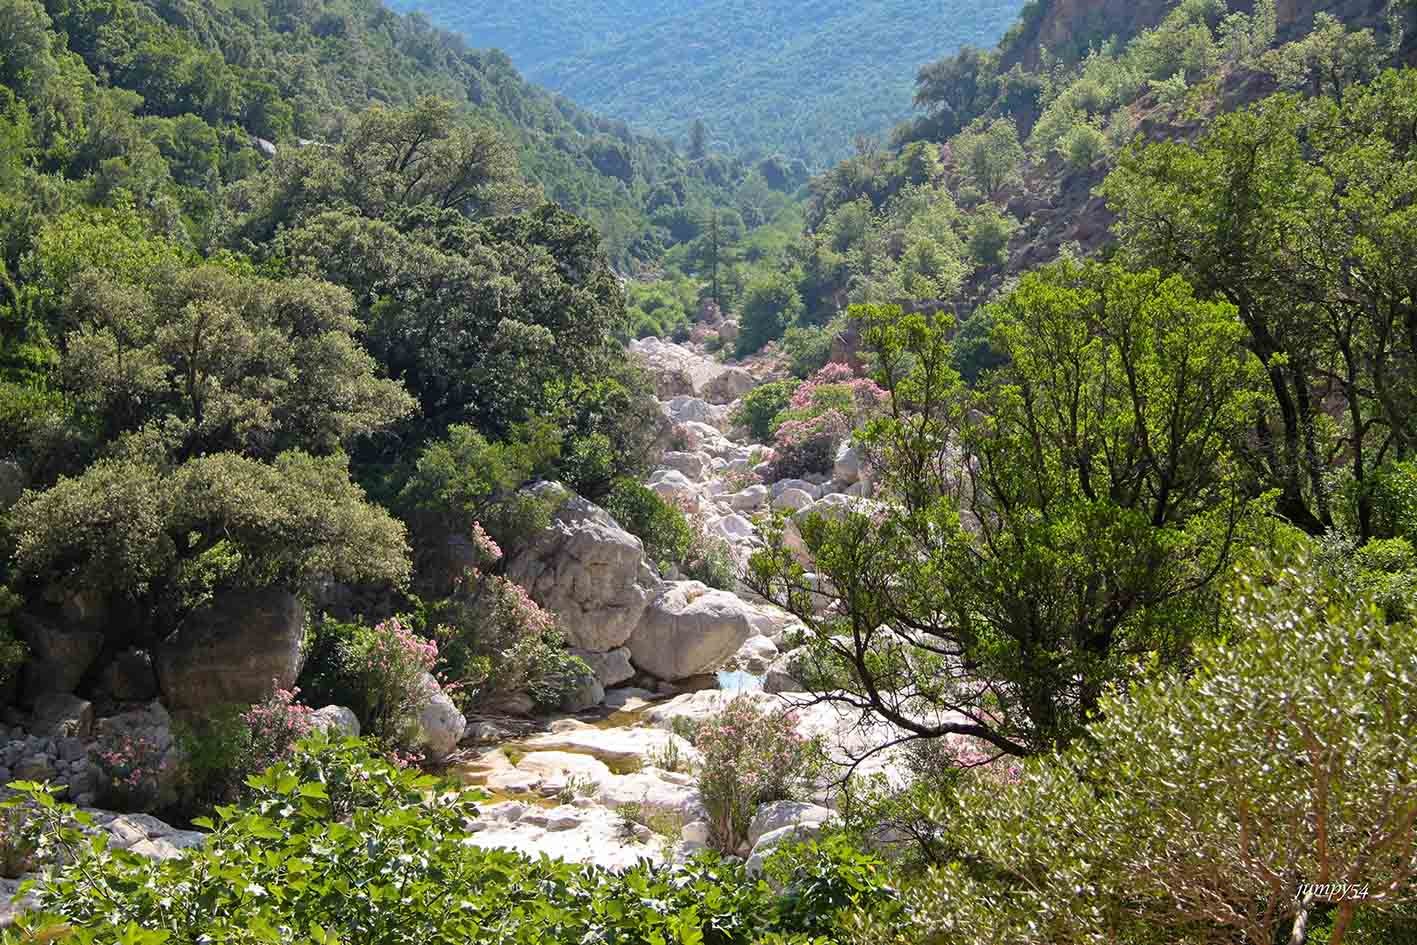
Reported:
(614, 795)
(629, 622)
(624, 619)
(60, 739)
(653, 643)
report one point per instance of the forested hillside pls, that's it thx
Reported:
(797, 78)
(292, 75)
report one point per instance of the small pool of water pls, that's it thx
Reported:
(735, 680)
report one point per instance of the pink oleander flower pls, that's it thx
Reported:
(488, 550)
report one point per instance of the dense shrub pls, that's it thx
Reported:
(658, 523)
(467, 478)
(13, 651)
(377, 672)
(220, 751)
(761, 405)
(821, 880)
(1168, 852)
(392, 665)
(1082, 145)
(710, 560)
(989, 235)
(770, 303)
(275, 726)
(1394, 501)
(809, 347)
(495, 640)
(750, 757)
(215, 759)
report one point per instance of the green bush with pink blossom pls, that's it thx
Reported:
(219, 752)
(494, 640)
(819, 417)
(391, 664)
(750, 757)
(132, 771)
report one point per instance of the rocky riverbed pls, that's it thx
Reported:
(609, 780)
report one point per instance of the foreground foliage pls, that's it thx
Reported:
(340, 846)
(1206, 809)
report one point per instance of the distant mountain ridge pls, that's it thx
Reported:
(796, 77)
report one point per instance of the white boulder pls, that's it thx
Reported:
(590, 572)
(792, 500)
(690, 629)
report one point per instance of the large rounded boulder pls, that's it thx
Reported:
(690, 629)
(233, 650)
(590, 572)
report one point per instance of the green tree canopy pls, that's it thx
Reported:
(159, 539)
(1299, 214)
(1043, 536)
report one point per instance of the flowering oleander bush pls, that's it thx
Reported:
(391, 665)
(493, 639)
(750, 757)
(132, 770)
(818, 418)
(275, 726)
(219, 752)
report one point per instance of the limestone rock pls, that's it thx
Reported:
(63, 715)
(59, 656)
(694, 466)
(335, 720)
(514, 703)
(684, 408)
(690, 629)
(784, 674)
(440, 724)
(676, 488)
(782, 485)
(778, 814)
(734, 529)
(747, 500)
(233, 651)
(792, 500)
(590, 572)
(677, 371)
(755, 655)
(620, 749)
(610, 668)
(848, 464)
(129, 677)
(728, 386)
(794, 833)
(585, 692)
